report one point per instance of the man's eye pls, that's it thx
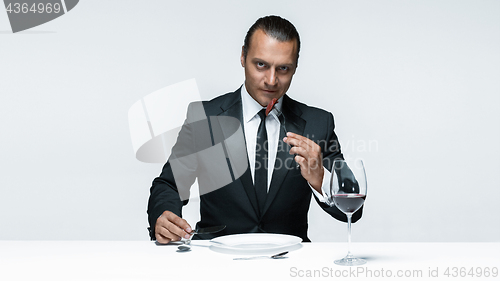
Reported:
(284, 68)
(260, 64)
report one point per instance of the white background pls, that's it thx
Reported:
(414, 87)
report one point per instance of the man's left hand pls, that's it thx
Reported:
(308, 156)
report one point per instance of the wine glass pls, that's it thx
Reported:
(348, 193)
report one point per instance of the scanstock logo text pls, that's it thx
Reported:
(25, 14)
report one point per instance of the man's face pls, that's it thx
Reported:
(269, 67)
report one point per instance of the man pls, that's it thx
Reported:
(270, 59)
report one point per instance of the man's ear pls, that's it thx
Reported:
(242, 58)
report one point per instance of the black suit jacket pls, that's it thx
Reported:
(235, 204)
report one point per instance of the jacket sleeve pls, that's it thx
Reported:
(170, 191)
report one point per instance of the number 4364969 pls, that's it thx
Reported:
(34, 8)
(471, 272)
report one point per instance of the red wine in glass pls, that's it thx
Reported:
(349, 202)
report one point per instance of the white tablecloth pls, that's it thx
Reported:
(144, 260)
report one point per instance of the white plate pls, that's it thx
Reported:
(255, 241)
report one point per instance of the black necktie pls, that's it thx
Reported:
(261, 151)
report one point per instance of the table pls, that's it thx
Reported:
(144, 260)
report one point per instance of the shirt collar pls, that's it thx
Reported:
(251, 107)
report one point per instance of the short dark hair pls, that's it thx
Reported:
(275, 27)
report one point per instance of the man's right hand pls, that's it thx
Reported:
(170, 227)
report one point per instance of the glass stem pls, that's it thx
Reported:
(349, 235)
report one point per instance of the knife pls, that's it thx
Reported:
(208, 230)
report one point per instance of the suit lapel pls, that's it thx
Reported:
(232, 108)
(284, 160)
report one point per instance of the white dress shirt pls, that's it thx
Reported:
(251, 123)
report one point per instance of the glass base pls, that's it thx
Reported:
(350, 261)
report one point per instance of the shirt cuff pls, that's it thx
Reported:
(325, 187)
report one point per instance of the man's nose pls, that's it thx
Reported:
(271, 78)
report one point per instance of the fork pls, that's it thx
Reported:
(277, 256)
(281, 118)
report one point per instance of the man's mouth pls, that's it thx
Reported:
(269, 91)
